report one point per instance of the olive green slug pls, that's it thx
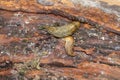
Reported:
(63, 31)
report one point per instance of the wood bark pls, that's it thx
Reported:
(25, 47)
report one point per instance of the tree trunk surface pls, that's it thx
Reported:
(29, 52)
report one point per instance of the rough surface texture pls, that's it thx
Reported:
(28, 52)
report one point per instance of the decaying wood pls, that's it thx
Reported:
(86, 15)
(27, 51)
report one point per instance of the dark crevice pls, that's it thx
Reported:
(110, 64)
(57, 64)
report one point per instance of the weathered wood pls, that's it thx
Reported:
(25, 47)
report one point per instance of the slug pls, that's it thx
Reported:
(69, 42)
(65, 33)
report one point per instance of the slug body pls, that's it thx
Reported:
(63, 31)
(69, 42)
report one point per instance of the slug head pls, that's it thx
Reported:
(76, 23)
